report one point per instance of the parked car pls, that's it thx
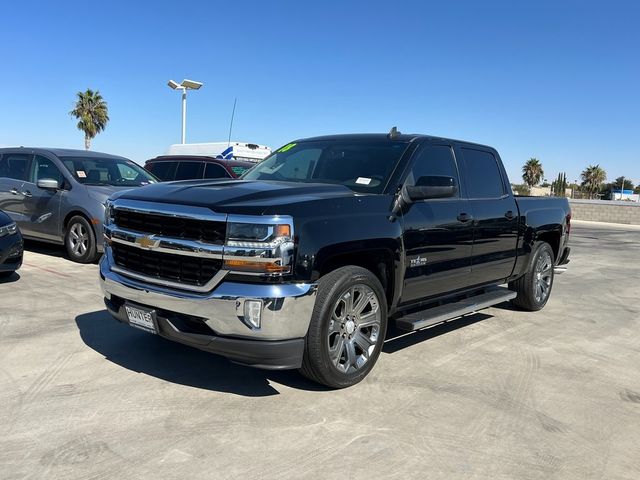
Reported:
(303, 261)
(10, 246)
(188, 167)
(57, 195)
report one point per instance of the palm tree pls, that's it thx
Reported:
(532, 172)
(92, 114)
(592, 179)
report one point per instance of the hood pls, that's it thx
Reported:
(236, 196)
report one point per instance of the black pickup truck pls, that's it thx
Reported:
(304, 261)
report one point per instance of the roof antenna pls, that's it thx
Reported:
(231, 124)
(393, 133)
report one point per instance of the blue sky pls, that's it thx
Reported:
(559, 80)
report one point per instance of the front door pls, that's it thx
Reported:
(14, 169)
(42, 205)
(437, 233)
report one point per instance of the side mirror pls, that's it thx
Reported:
(48, 184)
(431, 187)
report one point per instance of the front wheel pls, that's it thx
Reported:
(534, 287)
(80, 241)
(347, 328)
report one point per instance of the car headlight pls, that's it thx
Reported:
(261, 248)
(10, 229)
(108, 212)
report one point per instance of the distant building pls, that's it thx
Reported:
(625, 195)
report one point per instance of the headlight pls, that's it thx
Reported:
(250, 235)
(108, 212)
(261, 248)
(10, 229)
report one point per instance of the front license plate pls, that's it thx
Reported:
(141, 318)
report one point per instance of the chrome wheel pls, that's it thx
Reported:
(543, 277)
(354, 328)
(78, 239)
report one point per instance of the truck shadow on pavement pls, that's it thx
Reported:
(399, 339)
(153, 355)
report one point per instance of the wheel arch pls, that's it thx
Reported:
(378, 260)
(553, 239)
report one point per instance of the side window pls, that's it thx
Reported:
(14, 166)
(189, 170)
(482, 174)
(165, 171)
(42, 168)
(213, 170)
(433, 165)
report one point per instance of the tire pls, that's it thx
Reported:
(80, 240)
(534, 287)
(345, 337)
(7, 274)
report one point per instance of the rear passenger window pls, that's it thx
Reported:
(213, 170)
(436, 162)
(482, 174)
(165, 171)
(189, 170)
(14, 166)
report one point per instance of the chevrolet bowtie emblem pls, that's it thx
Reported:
(147, 242)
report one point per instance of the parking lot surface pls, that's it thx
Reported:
(501, 394)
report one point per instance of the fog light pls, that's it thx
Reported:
(253, 312)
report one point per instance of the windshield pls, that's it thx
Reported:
(363, 166)
(118, 172)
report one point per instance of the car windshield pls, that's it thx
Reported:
(363, 166)
(107, 171)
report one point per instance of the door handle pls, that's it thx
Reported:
(510, 215)
(14, 191)
(27, 193)
(464, 217)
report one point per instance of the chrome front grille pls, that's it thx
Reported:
(182, 269)
(208, 231)
(172, 245)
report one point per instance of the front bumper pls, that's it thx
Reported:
(214, 321)
(11, 252)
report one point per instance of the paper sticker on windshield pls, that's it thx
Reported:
(363, 181)
(287, 147)
(81, 174)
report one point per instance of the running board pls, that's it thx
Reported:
(449, 311)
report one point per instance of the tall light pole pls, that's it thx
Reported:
(184, 86)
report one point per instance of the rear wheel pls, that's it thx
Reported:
(80, 241)
(347, 328)
(534, 287)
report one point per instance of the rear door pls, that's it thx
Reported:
(42, 206)
(14, 169)
(437, 243)
(495, 214)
